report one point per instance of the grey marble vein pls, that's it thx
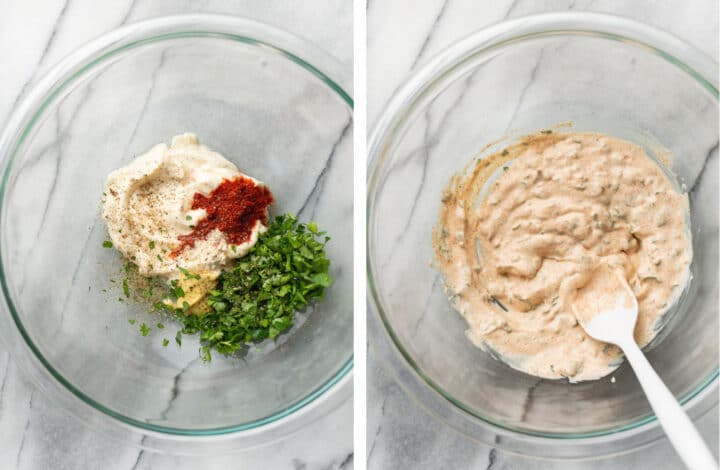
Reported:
(523, 92)
(75, 275)
(429, 141)
(317, 186)
(146, 101)
(175, 390)
(713, 151)
(24, 433)
(57, 144)
(129, 12)
(511, 8)
(376, 435)
(43, 55)
(492, 455)
(345, 463)
(3, 383)
(527, 406)
(54, 32)
(435, 284)
(430, 33)
(140, 455)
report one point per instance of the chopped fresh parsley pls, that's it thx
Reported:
(188, 274)
(160, 326)
(257, 298)
(131, 321)
(144, 329)
(165, 342)
(130, 267)
(126, 288)
(152, 244)
(107, 244)
(176, 291)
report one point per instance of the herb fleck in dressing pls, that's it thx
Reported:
(568, 204)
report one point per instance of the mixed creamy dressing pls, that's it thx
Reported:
(148, 209)
(515, 251)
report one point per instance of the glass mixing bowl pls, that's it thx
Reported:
(276, 106)
(603, 74)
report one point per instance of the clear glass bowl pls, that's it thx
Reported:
(603, 74)
(276, 106)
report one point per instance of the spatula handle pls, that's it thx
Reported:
(679, 429)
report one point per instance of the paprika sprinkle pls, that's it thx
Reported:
(233, 207)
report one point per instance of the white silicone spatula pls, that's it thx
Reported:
(607, 309)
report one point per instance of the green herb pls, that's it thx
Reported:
(144, 329)
(257, 299)
(505, 168)
(505, 152)
(159, 258)
(130, 267)
(234, 248)
(152, 244)
(176, 291)
(178, 338)
(126, 288)
(107, 244)
(165, 342)
(131, 321)
(160, 326)
(187, 217)
(188, 274)
(546, 131)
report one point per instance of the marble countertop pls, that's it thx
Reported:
(402, 34)
(34, 35)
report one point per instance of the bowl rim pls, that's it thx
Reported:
(431, 396)
(303, 53)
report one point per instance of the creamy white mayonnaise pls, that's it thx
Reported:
(148, 205)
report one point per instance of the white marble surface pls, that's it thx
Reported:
(34, 35)
(402, 34)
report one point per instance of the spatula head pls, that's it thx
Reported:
(606, 307)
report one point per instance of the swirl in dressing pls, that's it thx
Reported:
(565, 204)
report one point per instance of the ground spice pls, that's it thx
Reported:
(233, 208)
